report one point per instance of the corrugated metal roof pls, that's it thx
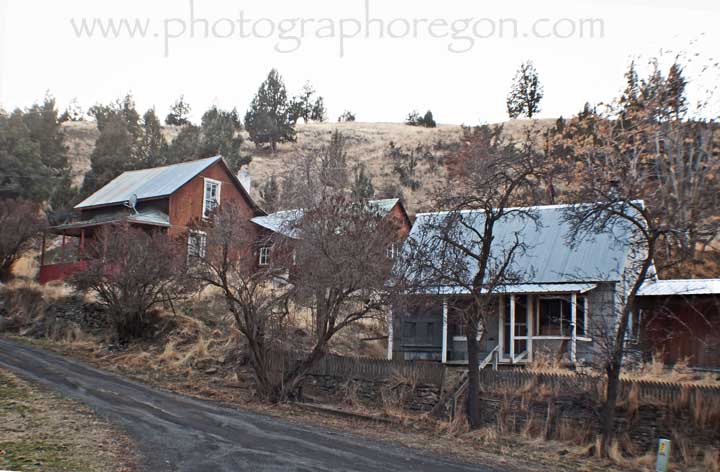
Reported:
(523, 288)
(548, 258)
(147, 183)
(282, 221)
(680, 287)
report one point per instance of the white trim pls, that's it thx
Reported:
(219, 188)
(530, 326)
(512, 327)
(264, 252)
(443, 354)
(573, 327)
(390, 335)
(202, 244)
(501, 327)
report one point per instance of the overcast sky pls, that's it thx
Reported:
(380, 59)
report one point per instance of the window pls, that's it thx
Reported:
(555, 316)
(409, 329)
(634, 325)
(211, 196)
(197, 244)
(264, 258)
(581, 317)
(392, 251)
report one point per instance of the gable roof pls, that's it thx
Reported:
(147, 183)
(281, 222)
(548, 258)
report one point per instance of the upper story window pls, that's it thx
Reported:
(264, 258)
(197, 244)
(211, 196)
(392, 251)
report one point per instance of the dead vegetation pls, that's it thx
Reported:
(40, 431)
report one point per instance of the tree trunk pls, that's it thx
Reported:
(472, 402)
(608, 425)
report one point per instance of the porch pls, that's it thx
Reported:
(531, 320)
(61, 262)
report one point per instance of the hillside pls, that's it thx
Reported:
(366, 143)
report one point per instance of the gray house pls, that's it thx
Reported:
(565, 300)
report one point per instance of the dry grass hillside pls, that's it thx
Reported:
(366, 143)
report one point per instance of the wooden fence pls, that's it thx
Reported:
(375, 370)
(562, 384)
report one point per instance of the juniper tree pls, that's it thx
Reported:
(268, 120)
(526, 92)
(179, 113)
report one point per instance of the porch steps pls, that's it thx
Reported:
(448, 403)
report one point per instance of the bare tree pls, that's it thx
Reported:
(257, 297)
(460, 248)
(328, 261)
(20, 223)
(648, 167)
(132, 272)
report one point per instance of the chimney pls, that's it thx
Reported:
(244, 178)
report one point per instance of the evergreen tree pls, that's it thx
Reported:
(33, 155)
(362, 187)
(307, 106)
(115, 152)
(526, 92)
(346, 116)
(268, 120)
(153, 146)
(269, 194)
(220, 134)
(428, 121)
(179, 113)
(185, 146)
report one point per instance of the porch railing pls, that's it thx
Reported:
(493, 357)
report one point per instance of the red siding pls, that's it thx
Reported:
(186, 204)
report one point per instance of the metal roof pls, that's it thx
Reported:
(680, 287)
(282, 222)
(147, 183)
(523, 288)
(548, 258)
(150, 216)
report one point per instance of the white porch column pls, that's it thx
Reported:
(530, 325)
(390, 335)
(573, 326)
(443, 354)
(512, 328)
(501, 325)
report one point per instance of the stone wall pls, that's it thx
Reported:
(568, 408)
(375, 393)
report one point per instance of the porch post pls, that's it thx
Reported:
(443, 354)
(62, 249)
(573, 326)
(512, 329)
(501, 325)
(82, 243)
(530, 326)
(390, 335)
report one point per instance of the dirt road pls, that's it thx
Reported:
(177, 433)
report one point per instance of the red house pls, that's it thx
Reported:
(281, 223)
(167, 198)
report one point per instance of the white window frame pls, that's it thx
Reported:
(205, 196)
(264, 255)
(201, 247)
(392, 251)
